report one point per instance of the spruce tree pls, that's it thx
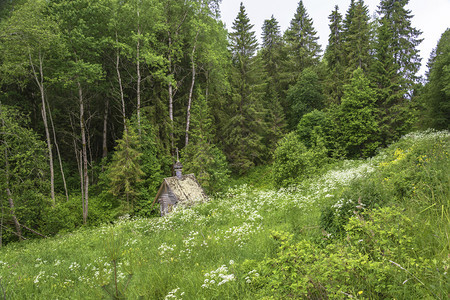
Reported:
(243, 42)
(201, 156)
(246, 125)
(125, 170)
(301, 39)
(357, 37)
(385, 78)
(334, 56)
(394, 71)
(403, 39)
(437, 90)
(272, 42)
(272, 59)
(153, 162)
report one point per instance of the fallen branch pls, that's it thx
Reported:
(7, 228)
(33, 231)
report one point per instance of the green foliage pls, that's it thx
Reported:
(30, 39)
(357, 39)
(379, 258)
(153, 163)
(316, 125)
(125, 170)
(305, 96)
(293, 161)
(201, 156)
(259, 177)
(251, 243)
(335, 59)
(243, 41)
(301, 41)
(410, 170)
(23, 171)
(401, 35)
(362, 194)
(271, 46)
(272, 59)
(437, 90)
(245, 126)
(357, 118)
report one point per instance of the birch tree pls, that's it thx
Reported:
(30, 40)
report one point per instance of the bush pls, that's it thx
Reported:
(378, 259)
(362, 194)
(314, 125)
(293, 162)
(412, 171)
(208, 163)
(64, 216)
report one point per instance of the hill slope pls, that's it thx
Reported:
(368, 229)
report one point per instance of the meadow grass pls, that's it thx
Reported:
(218, 249)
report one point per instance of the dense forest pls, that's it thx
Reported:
(97, 99)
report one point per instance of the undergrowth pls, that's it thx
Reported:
(371, 229)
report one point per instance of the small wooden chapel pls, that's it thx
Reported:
(177, 189)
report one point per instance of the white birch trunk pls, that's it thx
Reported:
(84, 158)
(191, 90)
(40, 82)
(119, 78)
(59, 154)
(138, 70)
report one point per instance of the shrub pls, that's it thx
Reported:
(379, 258)
(362, 194)
(314, 125)
(292, 161)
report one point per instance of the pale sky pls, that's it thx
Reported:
(432, 17)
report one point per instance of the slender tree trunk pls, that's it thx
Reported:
(138, 70)
(78, 158)
(171, 96)
(40, 82)
(59, 154)
(9, 195)
(119, 78)
(207, 86)
(1, 225)
(191, 90)
(105, 132)
(84, 158)
(172, 73)
(13, 214)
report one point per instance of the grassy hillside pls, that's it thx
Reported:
(369, 229)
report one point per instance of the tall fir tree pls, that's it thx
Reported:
(245, 128)
(437, 89)
(396, 64)
(125, 169)
(301, 41)
(272, 42)
(357, 36)
(403, 39)
(272, 59)
(201, 156)
(334, 56)
(384, 76)
(155, 163)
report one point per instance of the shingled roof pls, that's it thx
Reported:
(179, 189)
